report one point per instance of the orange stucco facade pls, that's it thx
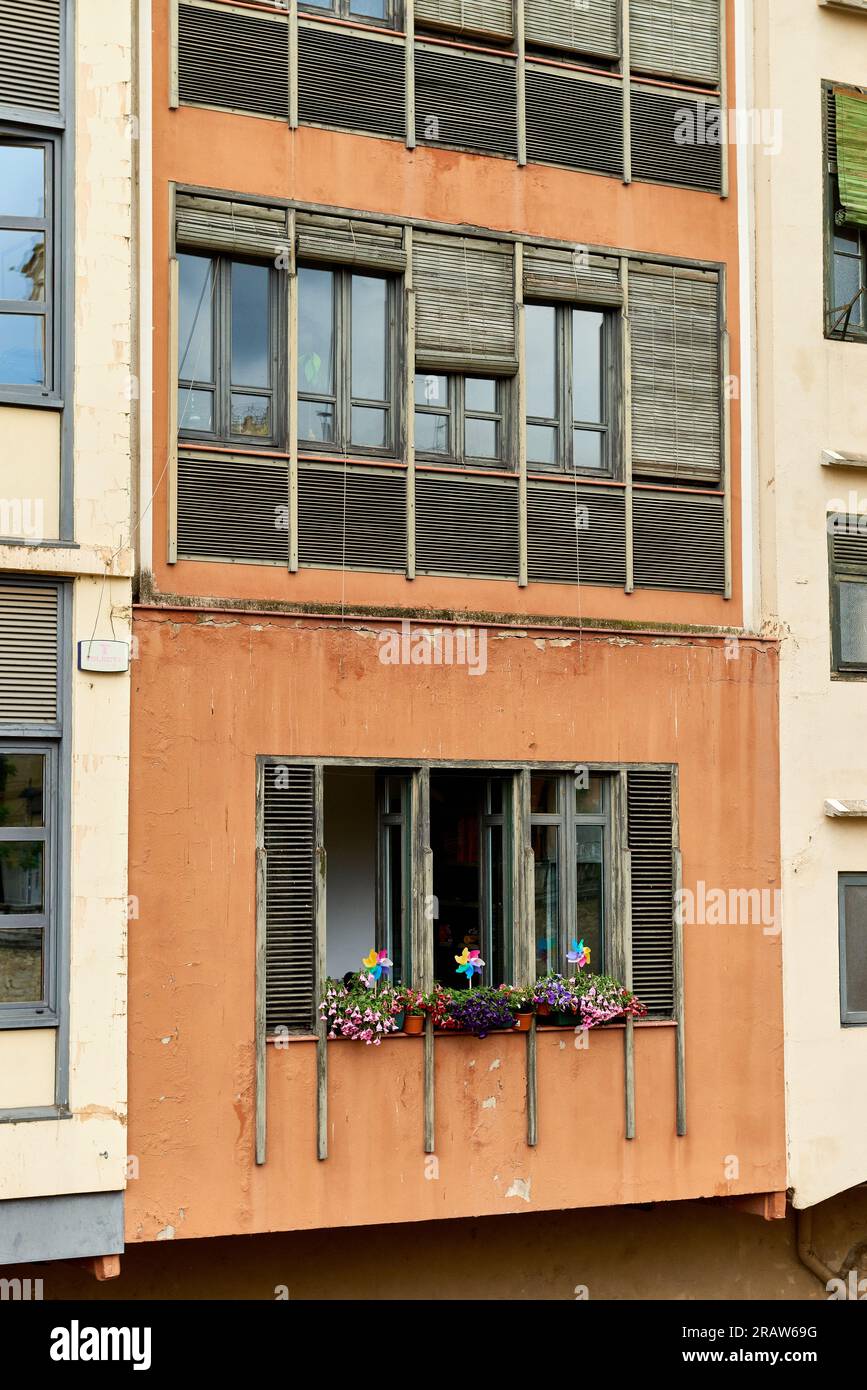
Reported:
(237, 661)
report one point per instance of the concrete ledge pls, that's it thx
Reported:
(61, 1228)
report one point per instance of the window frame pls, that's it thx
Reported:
(386, 818)
(831, 204)
(457, 414)
(222, 387)
(564, 422)
(849, 1018)
(44, 921)
(842, 573)
(566, 820)
(341, 9)
(342, 398)
(51, 224)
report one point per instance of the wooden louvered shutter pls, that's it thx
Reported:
(216, 224)
(354, 517)
(594, 28)
(234, 59)
(466, 99)
(650, 837)
(678, 541)
(30, 54)
(676, 38)
(571, 276)
(851, 153)
(676, 138)
(573, 120)
(350, 80)
(350, 242)
(493, 17)
(674, 319)
(289, 833)
(465, 305)
(29, 634)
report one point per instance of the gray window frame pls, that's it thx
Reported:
(342, 9)
(341, 399)
(388, 817)
(564, 421)
(843, 331)
(222, 386)
(849, 1018)
(566, 821)
(456, 413)
(843, 573)
(49, 836)
(48, 394)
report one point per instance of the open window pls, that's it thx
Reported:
(846, 212)
(570, 835)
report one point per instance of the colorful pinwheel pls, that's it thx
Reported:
(376, 964)
(579, 955)
(468, 963)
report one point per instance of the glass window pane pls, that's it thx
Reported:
(196, 319)
(544, 840)
(541, 326)
(587, 329)
(495, 796)
(251, 325)
(495, 901)
(370, 9)
(369, 427)
(394, 898)
(853, 622)
(588, 798)
(195, 410)
(316, 332)
(541, 444)
(251, 416)
(431, 390)
(394, 795)
(481, 439)
(369, 336)
(587, 446)
(846, 237)
(22, 350)
(21, 876)
(315, 422)
(21, 967)
(22, 783)
(588, 923)
(432, 434)
(22, 181)
(847, 282)
(22, 265)
(480, 394)
(544, 794)
(855, 931)
(317, 4)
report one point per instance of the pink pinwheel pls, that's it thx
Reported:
(469, 962)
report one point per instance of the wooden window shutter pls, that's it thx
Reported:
(660, 152)
(676, 38)
(230, 508)
(574, 121)
(563, 24)
(30, 54)
(490, 17)
(561, 552)
(350, 242)
(465, 305)
(572, 276)
(851, 152)
(353, 517)
(216, 224)
(674, 319)
(466, 526)
(651, 843)
(351, 81)
(233, 59)
(29, 634)
(678, 541)
(466, 99)
(290, 920)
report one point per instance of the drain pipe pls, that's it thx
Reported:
(806, 1254)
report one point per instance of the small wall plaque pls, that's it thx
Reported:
(97, 654)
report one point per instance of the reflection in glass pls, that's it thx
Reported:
(853, 623)
(369, 427)
(21, 876)
(495, 899)
(588, 799)
(588, 449)
(588, 925)
(21, 967)
(394, 899)
(432, 434)
(369, 328)
(22, 782)
(22, 180)
(251, 327)
(22, 350)
(22, 265)
(587, 329)
(847, 282)
(431, 390)
(195, 319)
(543, 794)
(544, 839)
(315, 333)
(251, 416)
(481, 394)
(541, 444)
(195, 410)
(481, 439)
(315, 422)
(541, 326)
(369, 9)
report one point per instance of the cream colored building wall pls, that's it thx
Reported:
(87, 1152)
(812, 396)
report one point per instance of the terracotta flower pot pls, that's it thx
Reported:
(522, 1023)
(413, 1023)
(543, 1009)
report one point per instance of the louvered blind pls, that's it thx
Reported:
(466, 99)
(592, 28)
(494, 17)
(351, 81)
(676, 38)
(674, 320)
(30, 54)
(576, 535)
(290, 923)
(678, 541)
(232, 508)
(352, 517)
(651, 842)
(573, 121)
(466, 526)
(848, 544)
(234, 59)
(573, 276)
(676, 139)
(214, 224)
(348, 241)
(465, 305)
(851, 151)
(29, 617)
